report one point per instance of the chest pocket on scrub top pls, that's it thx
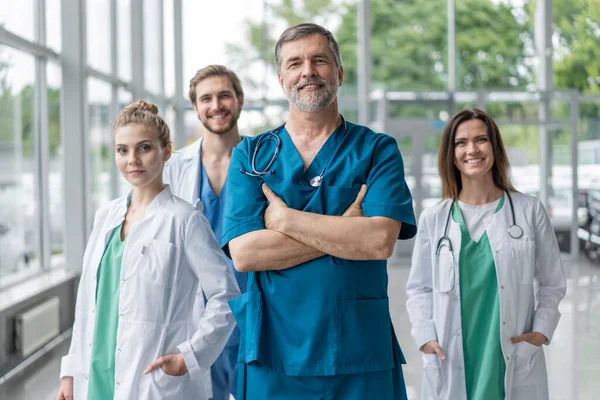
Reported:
(335, 200)
(150, 278)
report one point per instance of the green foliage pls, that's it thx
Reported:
(409, 45)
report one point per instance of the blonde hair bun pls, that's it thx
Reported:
(141, 105)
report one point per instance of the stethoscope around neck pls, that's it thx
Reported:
(514, 231)
(273, 135)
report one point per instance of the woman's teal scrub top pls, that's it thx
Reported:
(102, 365)
(328, 316)
(480, 311)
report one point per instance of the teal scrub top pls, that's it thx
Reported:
(480, 310)
(328, 316)
(102, 365)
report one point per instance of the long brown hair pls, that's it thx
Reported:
(451, 180)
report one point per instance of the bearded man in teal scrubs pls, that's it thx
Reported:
(324, 202)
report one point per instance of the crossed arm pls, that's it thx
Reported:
(294, 237)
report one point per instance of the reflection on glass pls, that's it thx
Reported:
(100, 144)
(56, 204)
(98, 34)
(19, 217)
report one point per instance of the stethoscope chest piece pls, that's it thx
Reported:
(316, 181)
(515, 231)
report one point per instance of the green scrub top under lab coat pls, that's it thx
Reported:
(102, 365)
(328, 316)
(480, 314)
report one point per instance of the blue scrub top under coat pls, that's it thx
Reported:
(328, 316)
(213, 211)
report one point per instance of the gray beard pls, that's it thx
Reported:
(315, 101)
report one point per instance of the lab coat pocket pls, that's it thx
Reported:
(432, 376)
(525, 354)
(444, 272)
(365, 321)
(523, 252)
(149, 279)
(168, 385)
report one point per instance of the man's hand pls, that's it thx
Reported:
(355, 209)
(433, 347)
(66, 389)
(171, 364)
(276, 211)
(534, 338)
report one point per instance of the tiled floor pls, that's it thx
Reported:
(573, 358)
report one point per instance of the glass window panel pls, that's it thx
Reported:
(56, 205)
(169, 49)
(18, 17)
(152, 38)
(98, 34)
(237, 47)
(124, 39)
(19, 215)
(493, 44)
(100, 144)
(53, 24)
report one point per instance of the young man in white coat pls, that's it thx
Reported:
(198, 174)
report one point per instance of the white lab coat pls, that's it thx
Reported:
(167, 256)
(181, 172)
(531, 283)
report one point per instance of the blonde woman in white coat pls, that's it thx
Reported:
(134, 335)
(486, 276)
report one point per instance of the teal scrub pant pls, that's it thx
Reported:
(260, 382)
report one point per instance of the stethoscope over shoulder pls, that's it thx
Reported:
(273, 135)
(444, 244)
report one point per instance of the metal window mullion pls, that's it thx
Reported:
(364, 61)
(17, 42)
(161, 52)
(137, 49)
(180, 100)
(40, 136)
(114, 104)
(74, 128)
(41, 144)
(574, 176)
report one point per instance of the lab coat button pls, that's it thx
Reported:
(502, 287)
(458, 332)
(503, 322)
(508, 358)
(90, 344)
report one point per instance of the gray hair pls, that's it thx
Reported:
(301, 31)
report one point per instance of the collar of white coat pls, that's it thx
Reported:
(156, 204)
(191, 151)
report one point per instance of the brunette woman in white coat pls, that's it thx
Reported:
(134, 335)
(486, 276)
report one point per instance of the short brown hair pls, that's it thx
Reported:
(215, 70)
(300, 31)
(451, 180)
(143, 113)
